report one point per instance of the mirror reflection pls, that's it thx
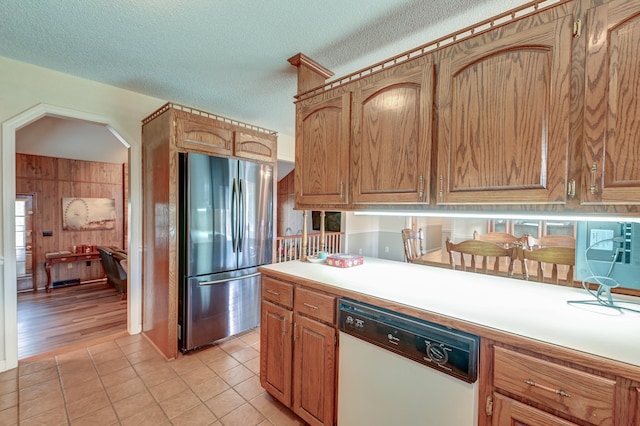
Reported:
(550, 251)
(498, 246)
(565, 251)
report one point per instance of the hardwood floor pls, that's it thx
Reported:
(67, 317)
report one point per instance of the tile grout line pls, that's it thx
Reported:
(64, 397)
(93, 362)
(225, 350)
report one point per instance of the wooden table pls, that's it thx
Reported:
(441, 258)
(52, 259)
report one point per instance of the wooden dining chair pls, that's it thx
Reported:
(554, 257)
(505, 240)
(476, 249)
(412, 241)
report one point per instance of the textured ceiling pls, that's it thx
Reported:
(226, 57)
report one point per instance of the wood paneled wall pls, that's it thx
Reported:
(287, 217)
(52, 179)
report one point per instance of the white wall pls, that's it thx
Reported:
(370, 235)
(25, 89)
(361, 234)
(462, 229)
(390, 244)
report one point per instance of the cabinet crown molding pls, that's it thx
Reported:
(310, 73)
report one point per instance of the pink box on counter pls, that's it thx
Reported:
(344, 260)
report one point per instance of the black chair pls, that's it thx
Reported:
(113, 269)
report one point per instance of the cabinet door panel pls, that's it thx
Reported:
(314, 371)
(507, 412)
(392, 127)
(322, 151)
(612, 111)
(504, 121)
(203, 134)
(276, 351)
(253, 147)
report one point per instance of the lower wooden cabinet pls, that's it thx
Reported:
(525, 388)
(521, 382)
(276, 351)
(578, 394)
(314, 366)
(298, 349)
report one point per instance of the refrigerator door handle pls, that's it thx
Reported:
(234, 215)
(241, 221)
(224, 280)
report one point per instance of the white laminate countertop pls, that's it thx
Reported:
(529, 309)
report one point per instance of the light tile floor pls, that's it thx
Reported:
(127, 382)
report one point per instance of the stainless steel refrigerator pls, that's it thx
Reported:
(226, 232)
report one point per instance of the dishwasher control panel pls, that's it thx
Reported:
(453, 352)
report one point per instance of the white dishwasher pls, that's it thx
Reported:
(399, 370)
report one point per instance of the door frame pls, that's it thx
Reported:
(34, 256)
(9, 342)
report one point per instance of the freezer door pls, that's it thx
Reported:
(218, 308)
(210, 212)
(256, 214)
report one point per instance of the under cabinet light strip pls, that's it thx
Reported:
(499, 215)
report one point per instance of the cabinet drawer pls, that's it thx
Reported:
(316, 305)
(573, 392)
(277, 291)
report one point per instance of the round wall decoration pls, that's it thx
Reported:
(76, 213)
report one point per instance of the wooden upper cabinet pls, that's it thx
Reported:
(253, 147)
(503, 123)
(391, 147)
(211, 136)
(612, 110)
(322, 151)
(200, 133)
